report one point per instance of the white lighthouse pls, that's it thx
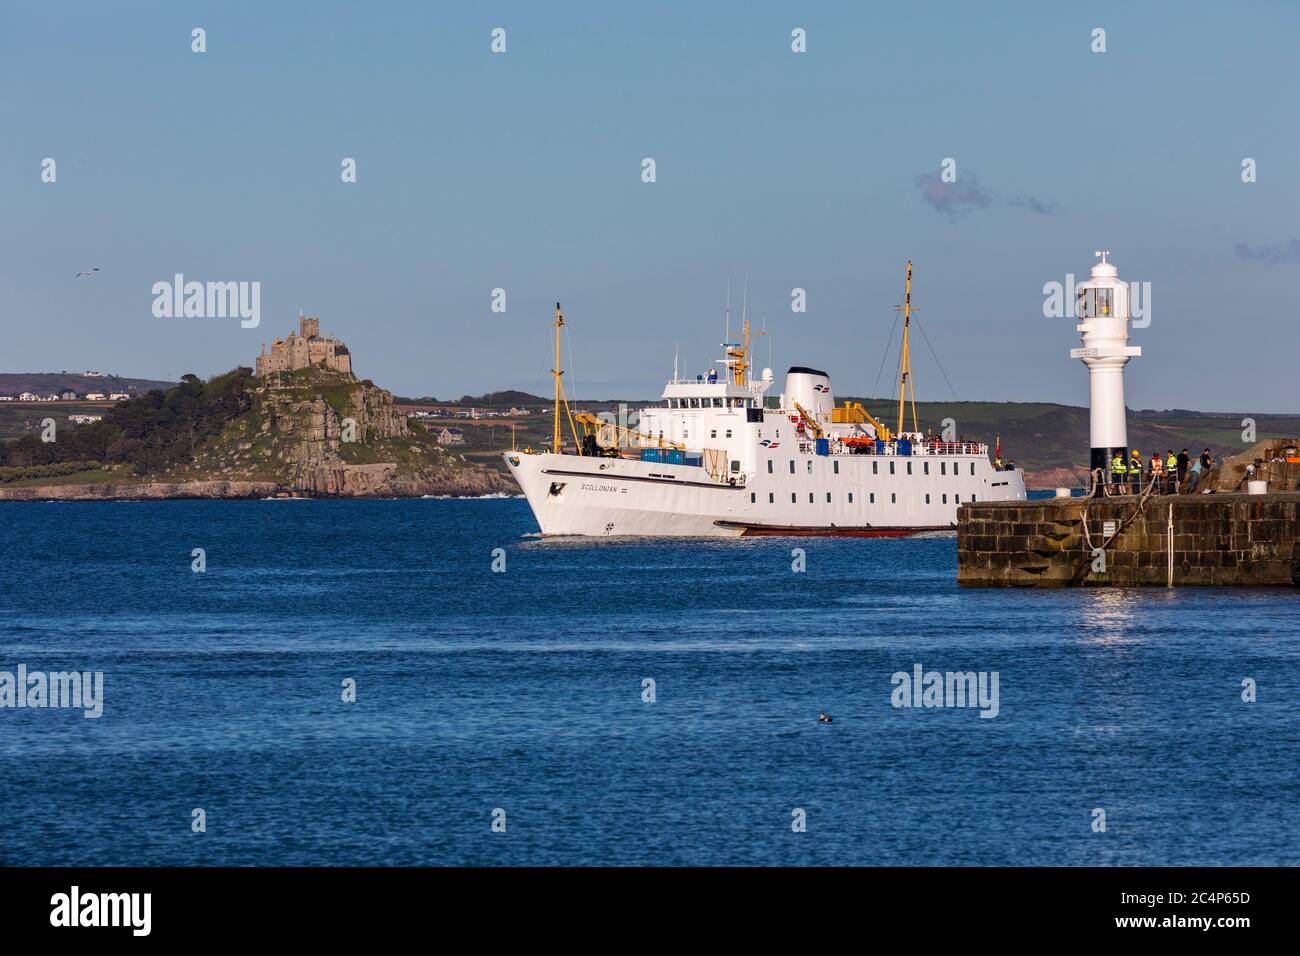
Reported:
(1102, 308)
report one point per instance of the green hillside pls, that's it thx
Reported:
(45, 383)
(1040, 436)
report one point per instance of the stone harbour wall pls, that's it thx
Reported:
(1219, 539)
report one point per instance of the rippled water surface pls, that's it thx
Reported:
(523, 690)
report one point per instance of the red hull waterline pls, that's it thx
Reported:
(776, 531)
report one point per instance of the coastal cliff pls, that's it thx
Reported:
(309, 432)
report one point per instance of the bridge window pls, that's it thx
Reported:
(769, 466)
(771, 498)
(810, 497)
(836, 465)
(925, 467)
(909, 467)
(945, 499)
(792, 466)
(850, 497)
(943, 468)
(828, 497)
(927, 499)
(972, 467)
(893, 498)
(717, 403)
(875, 467)
(753, 497)
(872, 499)
(891, 467)
(793, 498)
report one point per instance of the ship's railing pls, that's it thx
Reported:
(918, 449)
(950, 448)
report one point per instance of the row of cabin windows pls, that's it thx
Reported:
(875, 465)
(925, 465)
(893, 498)
(943, 468)
(713, 433)
(713, 403)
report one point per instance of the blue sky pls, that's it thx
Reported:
(522, 171)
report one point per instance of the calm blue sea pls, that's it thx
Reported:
(523, 691)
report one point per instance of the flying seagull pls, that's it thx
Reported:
(91, 272)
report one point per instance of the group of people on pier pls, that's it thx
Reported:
(1171, 474)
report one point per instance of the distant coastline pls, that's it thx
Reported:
(232, 490)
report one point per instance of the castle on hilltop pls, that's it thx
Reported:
(303, 348)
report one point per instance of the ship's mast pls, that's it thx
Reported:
(738, 357)
(557, 372)
(905, 359)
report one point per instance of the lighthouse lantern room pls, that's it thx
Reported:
(1102, 308)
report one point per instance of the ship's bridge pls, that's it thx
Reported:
(705, 394)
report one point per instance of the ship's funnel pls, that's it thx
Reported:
(811, 389)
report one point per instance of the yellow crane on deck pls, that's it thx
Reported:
(611, 435)
(856, 414)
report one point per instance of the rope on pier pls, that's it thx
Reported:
(1170, 535)
(1080, 572)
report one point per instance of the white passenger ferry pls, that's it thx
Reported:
(719, 458)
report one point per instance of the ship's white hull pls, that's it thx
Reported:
(850, 495)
